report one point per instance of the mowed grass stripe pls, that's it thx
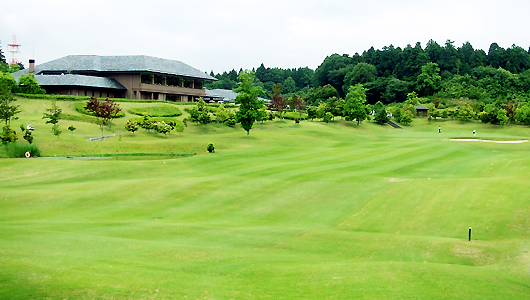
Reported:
(294, 212)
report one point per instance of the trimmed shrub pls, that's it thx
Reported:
(231, 121)
(210, 148)
(157, 111)
(328, 117)
(132, 126)
(8, 135)
(18, 150)
(175, 124)
(162, 127)
(293, 115)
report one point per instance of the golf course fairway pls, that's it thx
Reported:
(307, 211)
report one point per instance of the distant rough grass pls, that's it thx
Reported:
(18, 150)
(82, 118)
(157, 111)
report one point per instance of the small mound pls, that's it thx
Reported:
(491, 141)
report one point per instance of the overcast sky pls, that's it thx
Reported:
(221, 35)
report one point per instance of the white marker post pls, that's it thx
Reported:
(470, 234)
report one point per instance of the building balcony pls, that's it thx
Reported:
(167, 89)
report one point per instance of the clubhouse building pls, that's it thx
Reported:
(134, 77)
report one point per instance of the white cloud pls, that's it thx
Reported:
(221, 35)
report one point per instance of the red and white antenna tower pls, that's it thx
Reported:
(13, 48)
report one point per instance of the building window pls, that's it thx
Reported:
(158, 79)
(172, 97)
(146, 78)
(173, 81)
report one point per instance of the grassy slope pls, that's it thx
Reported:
(313, 211)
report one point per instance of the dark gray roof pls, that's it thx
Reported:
(79, 80)
(422, 107)
(227, 95)
(131, 63)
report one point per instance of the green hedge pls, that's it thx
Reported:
(226, 105)
(51, 97)
(156, 119)
(86, 98)
(183, 103)
(292, 115)
(80, 108)
(157, 111)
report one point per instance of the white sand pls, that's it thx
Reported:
(490, 141)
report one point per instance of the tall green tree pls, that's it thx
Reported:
(496, 56)
(3, 64)
(221, 115)
(8, 110)
(522, 115)
(204, 115)
(53, 115)
(428, 82)
(361, 73)
(409, 66)
(380, 113)
(289, 86)
(322, 93)
(27, 84)
(248, 100)
(355, 108)
(330, 64)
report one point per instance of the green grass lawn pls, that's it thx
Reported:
(308, 211)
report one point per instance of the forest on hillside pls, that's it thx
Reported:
(391, 73)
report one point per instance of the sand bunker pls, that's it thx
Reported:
(396, 180)
(490, 141)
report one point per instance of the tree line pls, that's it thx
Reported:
(292, 80)
(391, 73)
